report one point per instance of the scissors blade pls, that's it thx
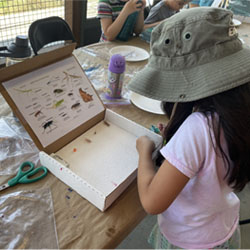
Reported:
(4, 186)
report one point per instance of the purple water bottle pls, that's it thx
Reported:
(115, 76)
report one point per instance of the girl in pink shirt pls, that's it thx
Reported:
(200, 71)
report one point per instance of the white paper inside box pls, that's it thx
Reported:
(102, 161)
(60, 109)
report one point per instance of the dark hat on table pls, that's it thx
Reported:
(194, 54)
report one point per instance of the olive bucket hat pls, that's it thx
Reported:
(194, 54)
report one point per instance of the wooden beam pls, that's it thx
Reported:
(68, 10)
(79, 18)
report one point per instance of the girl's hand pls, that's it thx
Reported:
(144, 145)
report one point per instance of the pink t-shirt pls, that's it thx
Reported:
(206, 212)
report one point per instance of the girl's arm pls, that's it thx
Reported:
(112, 29)
(157, 190)
(140, 19)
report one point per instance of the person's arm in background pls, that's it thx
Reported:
(139, 26)
(112, 29)
(191, 5)
(194, 3)
(150, 25)
(154, 18)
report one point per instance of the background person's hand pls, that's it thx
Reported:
(133, 5)
(142, 4)
(161, 127)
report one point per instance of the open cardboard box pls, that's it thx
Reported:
(88, 147)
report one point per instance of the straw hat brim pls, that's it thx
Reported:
(194, 83)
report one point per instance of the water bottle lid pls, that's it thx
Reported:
(117, 64)
(20, 48)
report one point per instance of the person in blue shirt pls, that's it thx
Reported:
(199, 3)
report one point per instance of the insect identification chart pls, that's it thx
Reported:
(54, 99)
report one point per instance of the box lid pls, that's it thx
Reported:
(52, 97)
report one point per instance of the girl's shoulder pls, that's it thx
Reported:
(187, 149)
(195, 127)
(199, 124)
(198, 117)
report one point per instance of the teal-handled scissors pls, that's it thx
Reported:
(23, 175)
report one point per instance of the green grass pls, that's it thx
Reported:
(14, 6)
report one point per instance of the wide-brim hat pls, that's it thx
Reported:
(194, 54)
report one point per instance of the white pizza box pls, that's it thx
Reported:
(90, 148)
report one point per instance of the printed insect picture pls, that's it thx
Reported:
(28, 92)
(48, 125)
(58, 91)
(70, 78)
(57, 104)
(39, 115)
(85, 96)
(76, 105)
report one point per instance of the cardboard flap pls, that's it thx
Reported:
(52, 97)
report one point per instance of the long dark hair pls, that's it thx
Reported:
(233, 110)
